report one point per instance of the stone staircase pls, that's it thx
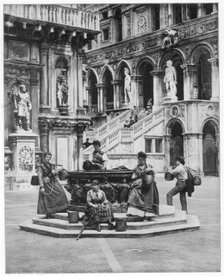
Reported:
(168, 221)
(102, 132)
(113, 133)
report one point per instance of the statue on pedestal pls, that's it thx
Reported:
(170, 79)
(127, 86)
(62, 88)
(22, 107)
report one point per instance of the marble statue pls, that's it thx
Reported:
(127, 86)
(22, 107)
(170, 79)
(62, 89)
(170, 39)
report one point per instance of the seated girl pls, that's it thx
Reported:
(99, 208)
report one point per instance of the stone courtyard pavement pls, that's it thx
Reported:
(197, 251)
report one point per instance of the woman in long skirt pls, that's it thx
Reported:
(52, 198)
(144, 195)
(99, 208)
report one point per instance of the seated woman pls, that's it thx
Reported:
(144, 196)
(52, 198)
(142, 166)
(99, 208)
(98, 157)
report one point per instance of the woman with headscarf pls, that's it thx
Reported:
(52, 198)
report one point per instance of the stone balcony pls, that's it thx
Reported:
(55, 15)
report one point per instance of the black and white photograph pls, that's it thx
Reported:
(111, 126)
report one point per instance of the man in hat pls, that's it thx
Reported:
(181, 186)
(98, 157)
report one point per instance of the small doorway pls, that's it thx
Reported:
(210, 150)
(176, 143)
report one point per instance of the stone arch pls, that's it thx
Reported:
(210, 147)
(203, 77)
(146, 59)
(195, 52)
(107, 79)
(171, 122)
(92, 70)
(168, 55)
(175, 129)
(61, 62)
(123, 63)
(146, 89)
(214, 122)
(92, 81)
(106, 66)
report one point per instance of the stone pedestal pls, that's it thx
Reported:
(170, 99)
(23, 158)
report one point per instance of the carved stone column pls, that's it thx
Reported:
(117, 97)
(101, 97)
(190, 80)
(44, 135)
(167, 149)
(157, 88)
(44, 93)
(136, 86)
(34, 83)
(80, 130)
(215, 78)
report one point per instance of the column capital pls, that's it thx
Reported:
(136, 77)
(214, 61)
(118, 82)
(157, 73)
(101, 85)
(186, 67)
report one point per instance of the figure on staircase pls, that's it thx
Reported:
(170, 80)
(97, 159)
(22, 107)
(127, 87)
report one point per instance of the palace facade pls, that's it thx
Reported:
(43, 50)
(142, 38)
(72, 61)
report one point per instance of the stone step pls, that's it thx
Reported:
(163, 211)
(179, 218)
(192, 223)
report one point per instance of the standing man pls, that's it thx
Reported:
(181, 186)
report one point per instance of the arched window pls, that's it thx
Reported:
(210, 150)
(92, 81)
(146, 92)
(109, 95)
(204, 76)
(118, 25)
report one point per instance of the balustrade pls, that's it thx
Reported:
(55, 14)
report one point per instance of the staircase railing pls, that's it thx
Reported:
(107, 130)
(145, 123)
(128, 135)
